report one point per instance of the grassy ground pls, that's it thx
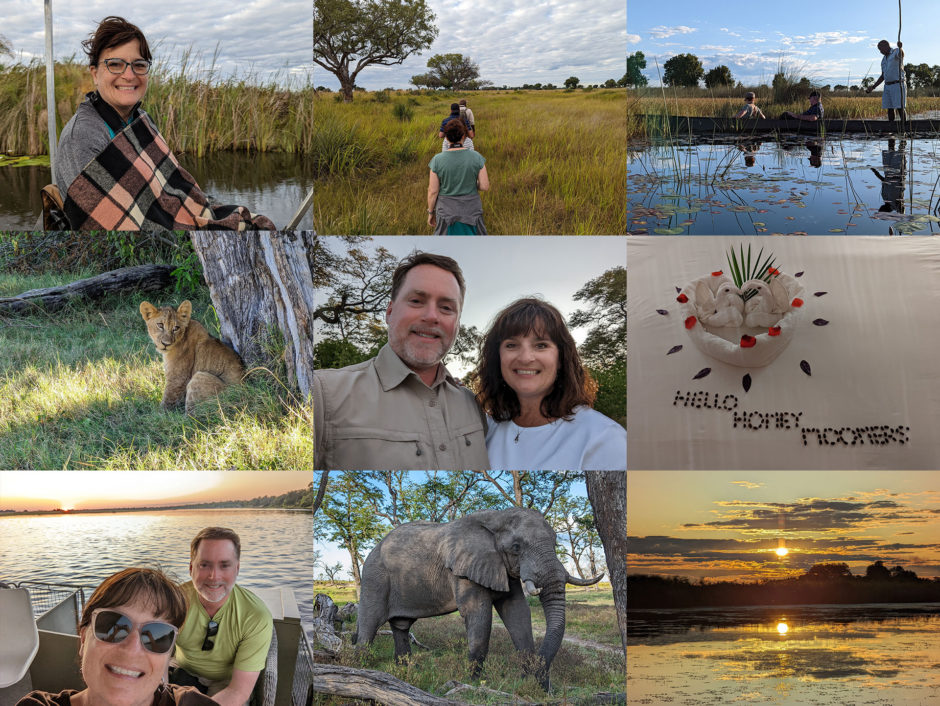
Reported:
(699, 102)
(554, 158)
(577, 672)
(194, 116)
(80, 388)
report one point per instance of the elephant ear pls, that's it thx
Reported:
(470, 552)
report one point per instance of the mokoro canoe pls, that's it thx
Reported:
(681, 125)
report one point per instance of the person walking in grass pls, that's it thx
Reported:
(456, 179)
(814, 112)
(750, 109)
(455, 114)
(894, 96)
(467, 115)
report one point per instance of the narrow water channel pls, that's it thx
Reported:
(272, 184)
(778, 185)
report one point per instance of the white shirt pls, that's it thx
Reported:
(589, 442)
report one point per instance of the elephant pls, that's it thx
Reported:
(487, 559)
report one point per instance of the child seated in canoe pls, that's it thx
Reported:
(750, 110)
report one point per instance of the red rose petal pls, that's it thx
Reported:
(719, 273)
(797, 302)
(748, 341)
(773, 270)
(773, 331)
(682, 299)
(690, 322)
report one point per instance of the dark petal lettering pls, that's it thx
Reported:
(819, 294)
(804, 366)
(746, 381)
(662, 312)
(820, 322)
(674, 349)
(702, 373)
(799, 274)
(678, 291)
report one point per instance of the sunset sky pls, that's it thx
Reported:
(727, 524)
(82, 490)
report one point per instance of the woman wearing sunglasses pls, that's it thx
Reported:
(113, 169)
(127, 634)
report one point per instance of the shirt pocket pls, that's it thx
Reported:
(471, 446)
(367, 448)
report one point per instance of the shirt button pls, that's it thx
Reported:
(432, 403)
(442, 447)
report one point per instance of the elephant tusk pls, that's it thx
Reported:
(583, 582)
(529, 589)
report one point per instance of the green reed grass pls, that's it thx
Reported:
(194, 115)
(555, 161)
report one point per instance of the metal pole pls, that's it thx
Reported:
(50, 88)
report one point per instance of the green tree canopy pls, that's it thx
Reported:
(636, 62)
(349, 35)
(454, 72)
(718, 76)
(683, 70)
(605, 314)
(572, 82)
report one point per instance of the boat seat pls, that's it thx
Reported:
(53, 209)
(20, 636)
(266, 687)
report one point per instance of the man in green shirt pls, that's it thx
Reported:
(225, 639)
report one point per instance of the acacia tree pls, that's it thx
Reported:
(683, 70)
(453, 72)
(349, 35)
(718, 76)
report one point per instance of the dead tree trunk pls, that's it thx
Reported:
(261, 284)
(607, 491)
(370, 684)
(140, 278)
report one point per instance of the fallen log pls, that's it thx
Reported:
(139, 278)
(370, 684)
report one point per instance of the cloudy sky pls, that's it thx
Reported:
(267, 38)
(728, 524)
(544, 41)
(832, 43)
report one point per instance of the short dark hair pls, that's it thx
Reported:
(215, 533)
(455, 130)
(150, 586)
(573, 384)
(814, 93)
(426, 258)
(113, 32)
(455, 107)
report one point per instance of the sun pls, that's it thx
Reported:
(782, 551)
(783, 628)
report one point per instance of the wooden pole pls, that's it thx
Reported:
(300, 211)
(50, 88)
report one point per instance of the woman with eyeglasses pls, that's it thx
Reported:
(127, 633)
(114, 170)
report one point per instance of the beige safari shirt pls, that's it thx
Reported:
(379, 415)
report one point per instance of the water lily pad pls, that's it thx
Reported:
(669, 231)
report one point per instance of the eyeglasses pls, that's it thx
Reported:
(114, 627)
(117, 66)
(212, 629)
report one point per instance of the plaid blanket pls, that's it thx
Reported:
(135, 183)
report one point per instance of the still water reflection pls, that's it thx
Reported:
(277, 547)
(884, 654)
(272, 184)
(784, 185)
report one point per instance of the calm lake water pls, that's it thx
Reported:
(880, 655)
(272, 184)
(784, 185)
(277, 547)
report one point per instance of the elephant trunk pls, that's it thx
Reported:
(575, 581)
(553, 605)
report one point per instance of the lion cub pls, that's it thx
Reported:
(197, 365)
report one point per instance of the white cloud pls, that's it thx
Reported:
(729, 32)
(661, 32)
(818, 39)
(747, 484)
(633, 39)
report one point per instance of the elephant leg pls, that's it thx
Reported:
(476, 608)
(514, 611)
(400, 629)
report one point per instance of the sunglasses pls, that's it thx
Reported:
(114, 627)
(212, 629)
(116, 66)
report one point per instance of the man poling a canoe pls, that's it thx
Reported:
(892, 74)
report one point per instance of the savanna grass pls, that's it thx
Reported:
(577, 672)
(80, 388)
(195, 116)
(555, 161)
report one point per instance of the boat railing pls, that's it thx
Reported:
(56, 607)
